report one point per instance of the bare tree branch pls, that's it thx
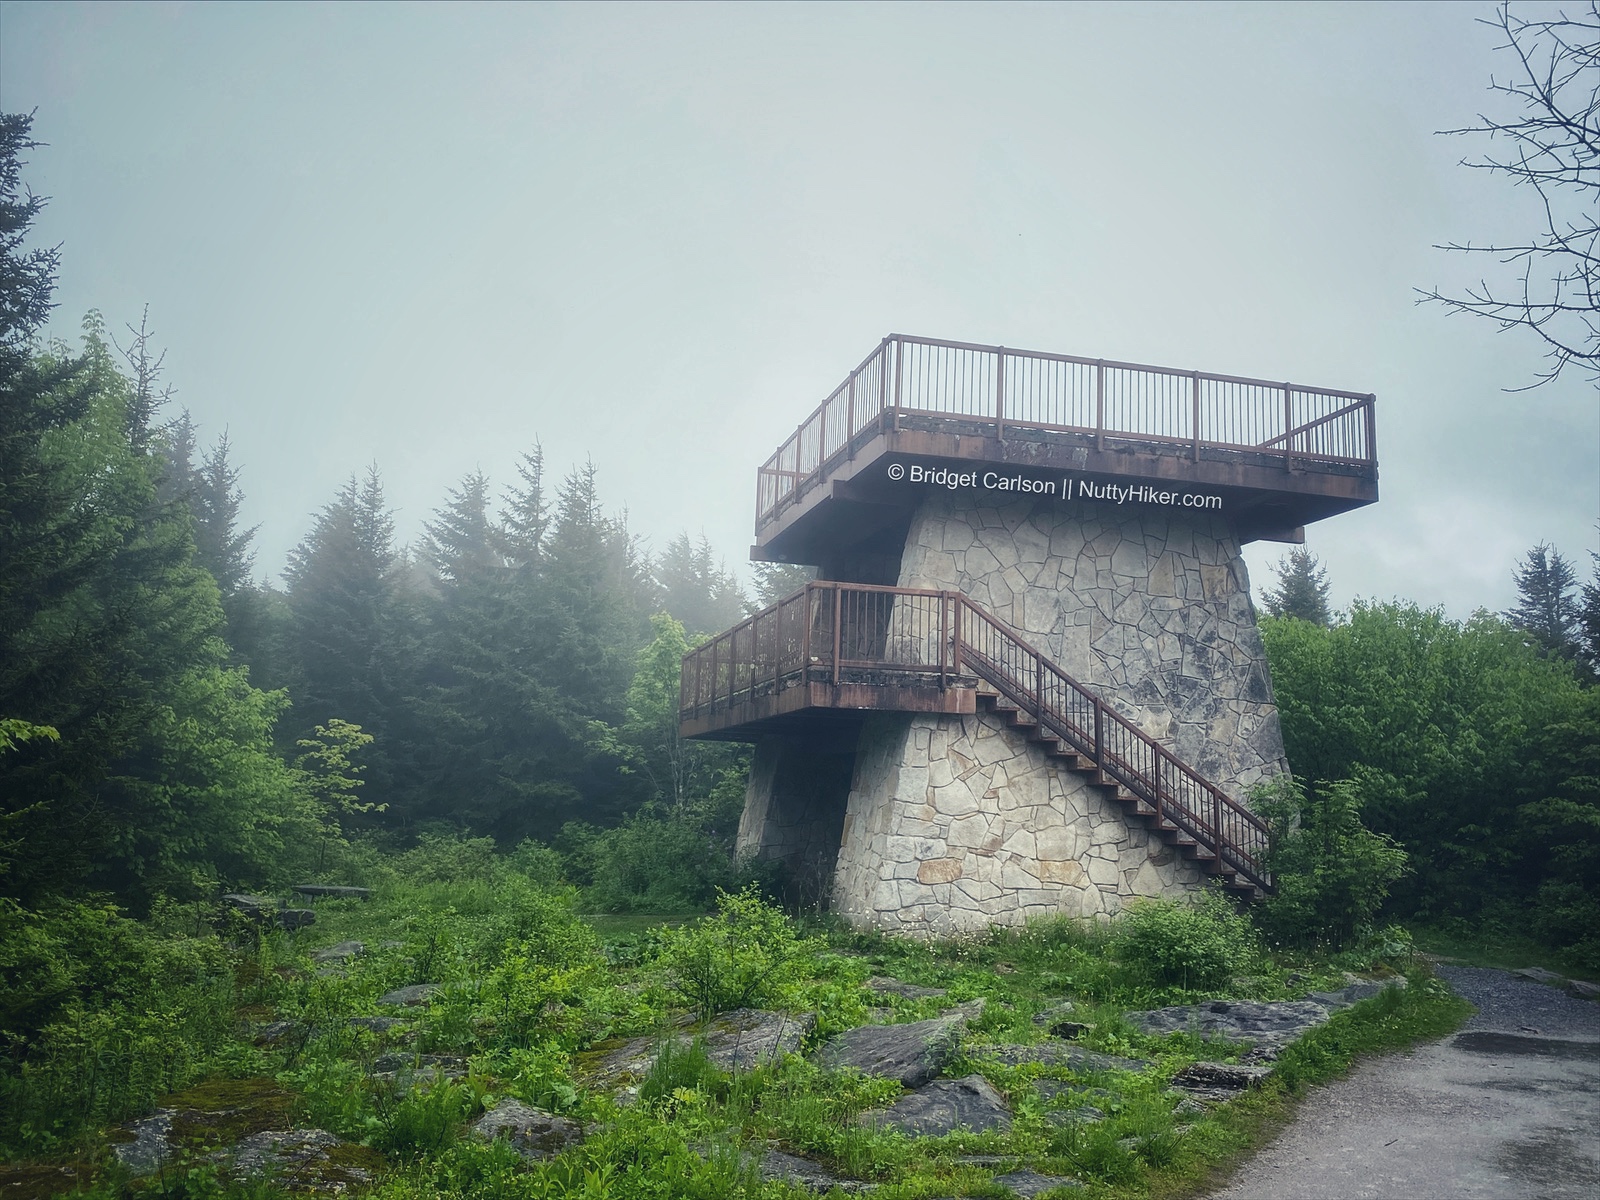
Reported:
(1554, 150)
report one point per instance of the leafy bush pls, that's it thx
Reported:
(661, 860)
(1331, 873)
(423, 1119)
(98, 1016)
(744, 956)
(1193, 946)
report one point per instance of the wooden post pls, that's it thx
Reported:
(955, 642)
(899, 359)
(850, 417)
(1099, 735)
(805, 641)
(1288, 426)
(838, 609)
(943, 657)
(1100, 404)
(1372, 429)
(1194, 392)
(1000, 393)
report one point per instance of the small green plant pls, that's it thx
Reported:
(681, 1067)
(746, 955)
(1331, 873)
(1192, 946)
(422, 1120)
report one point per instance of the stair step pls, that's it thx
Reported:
(1029, 719)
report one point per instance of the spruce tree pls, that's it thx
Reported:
(1302, 589)
(525, 514)
(460, 541)
(1547, 605)
(352, 633)
(1589, 621)
(697, 589)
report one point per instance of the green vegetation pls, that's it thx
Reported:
(482, 729)
(533, 999)
(1465, 744)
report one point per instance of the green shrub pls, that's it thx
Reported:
(1194, 946)
(100, 1016)
(680, 1066)
(660, 860)
(422, 1120)
(1331, 874)
(745, 956)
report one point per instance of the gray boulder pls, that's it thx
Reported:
(778, 1167)
(1028, 1184)
(532, 1132)
(378, 1025)
(341, 953)
(1583, 989)
(750, 1037)
(1540, 975)
(410, 997)
(334, 891)
(304, 1160)
(1219, 1081)
(275, 1033)
(737, 1041)
(913, 1053)
(149, 1145)
(1268, 1025)
(265, 911)
(945, 1106)
(885, 986)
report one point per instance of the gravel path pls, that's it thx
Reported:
(1514, 1005)
(1507, 1109)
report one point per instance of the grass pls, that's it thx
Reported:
(1492, 945)
(532, 987)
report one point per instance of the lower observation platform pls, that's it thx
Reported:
(921, 415)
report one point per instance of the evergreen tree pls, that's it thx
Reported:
(696, 589)
(775, 581)
(461, 541)
(221, 547)
(1547, 607)
(1589, 621)
(525, 514)
(178, 449)
(1302, 589)
(148, 397)
(352, 635)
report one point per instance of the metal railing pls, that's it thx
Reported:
(831, 632)
(1113, 401)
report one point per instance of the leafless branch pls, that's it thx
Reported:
(1554, 150)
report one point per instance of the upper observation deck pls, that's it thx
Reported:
(921, 414)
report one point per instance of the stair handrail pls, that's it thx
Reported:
(1241, 854)
(1237, 837)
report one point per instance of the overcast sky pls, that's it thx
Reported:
(658, 235)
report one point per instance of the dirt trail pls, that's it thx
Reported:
(1509, 1107)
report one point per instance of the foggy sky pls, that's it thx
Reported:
(659, 235)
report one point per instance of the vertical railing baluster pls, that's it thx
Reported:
(838, 606)
(899, 362)
(1000, 393)
(1288, 426)
(1100, 405)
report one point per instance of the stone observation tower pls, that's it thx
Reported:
(1027, 680)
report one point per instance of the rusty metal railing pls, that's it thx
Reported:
(1113, 401)
(829, 632)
